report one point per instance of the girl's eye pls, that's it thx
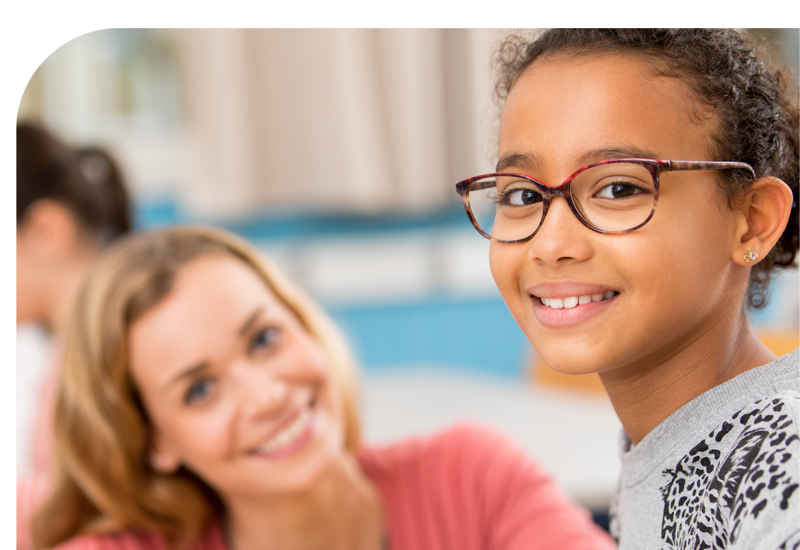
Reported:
(520, 197)
(619, 190)
(198, 391)
(264, 339)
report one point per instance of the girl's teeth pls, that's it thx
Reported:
(573, 301)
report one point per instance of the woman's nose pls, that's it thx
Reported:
(261, 393)
(561, 237)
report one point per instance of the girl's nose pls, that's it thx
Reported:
(561, 238)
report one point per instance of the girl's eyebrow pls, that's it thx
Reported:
(528, 161)
(624, 151)
(520, 160)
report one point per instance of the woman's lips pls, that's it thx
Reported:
(568, 311)
(293, 436)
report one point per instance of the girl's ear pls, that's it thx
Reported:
(764, 217)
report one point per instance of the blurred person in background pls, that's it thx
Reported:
(71, 204)
(205, 402)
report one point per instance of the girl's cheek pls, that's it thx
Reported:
(497, 262)
(505, 267)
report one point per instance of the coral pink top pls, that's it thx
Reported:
(463, 489)
(468, 488)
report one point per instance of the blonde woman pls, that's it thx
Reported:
(206, 403)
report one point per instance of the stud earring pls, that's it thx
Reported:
(748, 256)
(160, 462)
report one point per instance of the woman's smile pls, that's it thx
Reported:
(289, 438)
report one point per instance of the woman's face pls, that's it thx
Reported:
(671, 279)
(236, 388)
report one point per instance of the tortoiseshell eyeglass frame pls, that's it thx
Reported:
(654, 166)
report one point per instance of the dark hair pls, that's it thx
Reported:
(729, 76)
(86, 180)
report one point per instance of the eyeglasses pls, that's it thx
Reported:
(610, 196)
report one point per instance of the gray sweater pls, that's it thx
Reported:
(720, 472)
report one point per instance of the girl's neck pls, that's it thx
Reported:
(342, 511)
(646, 393)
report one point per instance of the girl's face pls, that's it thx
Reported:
(669, 281)
(236, 388)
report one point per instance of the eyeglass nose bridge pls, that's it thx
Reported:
(565, 192)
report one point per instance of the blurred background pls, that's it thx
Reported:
(336, 151)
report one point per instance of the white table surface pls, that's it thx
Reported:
(574, 434)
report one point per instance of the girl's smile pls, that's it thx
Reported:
(564, 304)
(591, 302)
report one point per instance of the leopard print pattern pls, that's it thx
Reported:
(792, 543)
(730, 478)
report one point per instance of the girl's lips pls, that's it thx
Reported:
(565, 317)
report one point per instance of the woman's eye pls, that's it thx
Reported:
(520, 197)
(619, 190)
(198, 391)
(264, 339)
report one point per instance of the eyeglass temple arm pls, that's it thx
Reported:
(461, 187)
(675, 165)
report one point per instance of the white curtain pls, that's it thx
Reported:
(342, 120)
(334, 119)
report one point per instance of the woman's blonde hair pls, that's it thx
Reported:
(104, 479)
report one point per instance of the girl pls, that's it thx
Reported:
(646, 192)
(206, 403)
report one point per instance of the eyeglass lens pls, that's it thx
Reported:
(611, 197)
